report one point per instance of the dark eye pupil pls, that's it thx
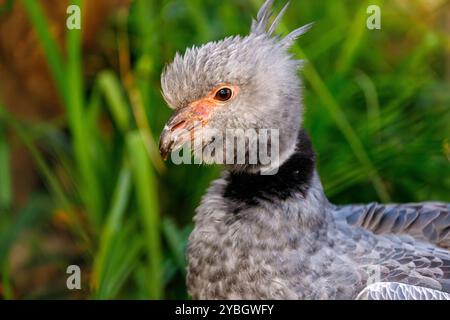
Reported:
(223, 94)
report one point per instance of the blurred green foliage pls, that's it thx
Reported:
(377, 108)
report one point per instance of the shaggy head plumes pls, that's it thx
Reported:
(238, 83)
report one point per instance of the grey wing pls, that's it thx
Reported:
(392, 255)
(400, 291)
(428, 221)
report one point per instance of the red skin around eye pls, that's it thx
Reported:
(200, 110)
(203, 108)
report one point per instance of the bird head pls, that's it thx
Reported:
(247, 83)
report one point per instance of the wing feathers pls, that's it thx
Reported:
(400, 291)
(424, 221)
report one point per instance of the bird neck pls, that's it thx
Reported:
(295, 187)
(294, 176)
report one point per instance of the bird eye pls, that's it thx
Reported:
(223, 94)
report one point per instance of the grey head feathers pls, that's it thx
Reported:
(233, 59)
(259, 64)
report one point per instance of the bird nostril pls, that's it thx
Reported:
(179, 125)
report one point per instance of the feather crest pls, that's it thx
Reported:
(262, 21)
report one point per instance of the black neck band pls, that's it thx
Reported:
(294, 176)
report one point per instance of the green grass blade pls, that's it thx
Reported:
(147, 200)
(110, 86)
(373, 106)
(48, 175)
(70, 86)
(129, 246)
(5, 172)
(49, 45)
(6, 282)
(353, 40)
(113, 223)
(175, 241)
(82, 135)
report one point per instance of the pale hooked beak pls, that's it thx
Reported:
(182, 125)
